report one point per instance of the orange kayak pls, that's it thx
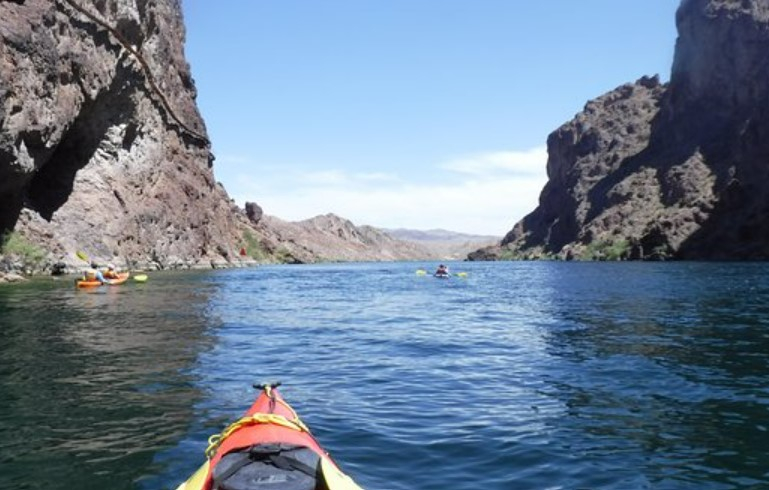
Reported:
(120, 279)
(269, 448)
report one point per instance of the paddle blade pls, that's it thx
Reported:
(82, 256)
(141, 278)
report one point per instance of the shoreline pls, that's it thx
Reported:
(16, 275)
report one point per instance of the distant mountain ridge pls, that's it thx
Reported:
(438, 235)
(330, 238)
(445, 244)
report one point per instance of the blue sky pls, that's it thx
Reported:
(407, 113)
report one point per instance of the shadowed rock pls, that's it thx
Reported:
(254, 212)
(666, 171)
(102, 147)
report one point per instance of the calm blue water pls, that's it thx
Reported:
(538, 375)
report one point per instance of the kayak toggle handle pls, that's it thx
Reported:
(262, 386)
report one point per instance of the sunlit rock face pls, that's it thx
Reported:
(102, 147)
(103, 150)
(675, 170)
(331, 238)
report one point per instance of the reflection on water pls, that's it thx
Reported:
(672, 377)
(524, 375)
(93, 383)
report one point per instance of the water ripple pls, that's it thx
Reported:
(522, 375)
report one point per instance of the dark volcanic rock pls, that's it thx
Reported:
(666, 171)
(102, 148)
(254, 212)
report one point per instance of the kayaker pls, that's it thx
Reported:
(94, 274)
(442, 270)
(111, 272)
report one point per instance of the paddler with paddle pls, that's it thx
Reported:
(94, 274)
(442, 271)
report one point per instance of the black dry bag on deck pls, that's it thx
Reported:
(269, 467)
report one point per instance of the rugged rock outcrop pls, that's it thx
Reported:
(653, 171)
(102, 148)
(254, 212)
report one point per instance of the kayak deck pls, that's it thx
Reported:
(268, 444)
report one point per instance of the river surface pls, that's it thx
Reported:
(523, 375)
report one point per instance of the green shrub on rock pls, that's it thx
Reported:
(18, 249)
(254, 248)
(607, 250)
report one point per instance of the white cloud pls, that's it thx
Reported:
(485, 193)
(523, 163)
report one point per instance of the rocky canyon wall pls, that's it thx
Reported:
(666, 171)
(103, 150)
(102, 147)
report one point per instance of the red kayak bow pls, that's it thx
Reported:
(268, 448)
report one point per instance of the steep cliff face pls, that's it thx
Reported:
(102, 148)
(652, 171)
